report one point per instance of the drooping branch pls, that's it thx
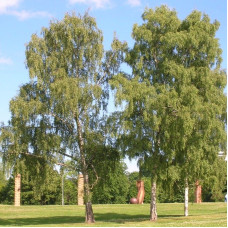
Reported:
(69, 156)
(64, 121)
(24, 153)
(97, 177)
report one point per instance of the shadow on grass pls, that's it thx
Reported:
(58, 220)
(41, 221)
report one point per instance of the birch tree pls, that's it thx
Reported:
(59, 111)
(148, 93)
(199, 83)
(175, 107)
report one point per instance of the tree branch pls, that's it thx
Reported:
(61, 119)
(69, 156)
(97, 178)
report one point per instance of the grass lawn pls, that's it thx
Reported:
(204, 214)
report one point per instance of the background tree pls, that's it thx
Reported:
(215, 186)
(35, 190)
(113, 188)
(45, 192)
(201, 110)
(70, 191)
(2, 177)
(133, 191)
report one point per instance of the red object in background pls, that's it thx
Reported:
(141, 191)
(133, 201)
(198, 193)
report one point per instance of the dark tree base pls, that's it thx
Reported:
(89, 213)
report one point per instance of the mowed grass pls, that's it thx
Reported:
(169, 215)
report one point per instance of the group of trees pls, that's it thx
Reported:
(117, 188)
(173, 107)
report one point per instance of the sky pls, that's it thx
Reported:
(19, 19)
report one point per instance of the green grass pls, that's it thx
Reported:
(204, 215)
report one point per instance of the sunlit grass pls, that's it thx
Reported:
(204, 215)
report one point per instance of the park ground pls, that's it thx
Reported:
(169, 215)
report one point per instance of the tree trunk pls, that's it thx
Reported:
(186, 198)
(89, 218)
(153, 209)
(62, 188)
(89, 213)
(88, 205)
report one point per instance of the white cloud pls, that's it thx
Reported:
(93, 3)
(23, 15)
(8, 7)
(134, 2)
(5, 61)
(5, 4)
(77, 1)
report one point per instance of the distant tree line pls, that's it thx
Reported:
(117, 188)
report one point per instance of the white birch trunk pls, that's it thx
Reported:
(186, 198)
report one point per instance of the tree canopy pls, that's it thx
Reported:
(175, 111)
(59, 112)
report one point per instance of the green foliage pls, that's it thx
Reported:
(59, 111)
(215, 187)
(113, 188)
(70, 191)
(2, 178)
(7, 192)
(147, 187)
(116, 186)
(34, 190)
(133, 191)
(175, 108)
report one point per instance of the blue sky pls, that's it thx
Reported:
(19, 19)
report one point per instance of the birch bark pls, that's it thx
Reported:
(153, 208)
(89, 218)
(186, 198)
